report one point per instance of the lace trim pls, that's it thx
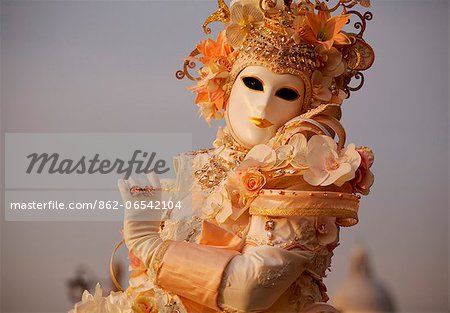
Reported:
(289, 244)
(303, 237)
(227, 309)
(168, 303)
(268, 278)
(182, 230)
(157, 261)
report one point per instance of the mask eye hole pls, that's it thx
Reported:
(253, 83)
(288, 94)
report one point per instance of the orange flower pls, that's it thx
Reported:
(253, 181)
(211, 92)
(214, 51)
(326, 30)
(145, 303)
(299, 28)
(217, 57)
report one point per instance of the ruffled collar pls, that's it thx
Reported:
(228, 148)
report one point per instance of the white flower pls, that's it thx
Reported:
(352, 157)
(300, 145)
(334, 64)
(218, 205)
(265, 158)
(285, 154)
(259, 157)
(329, 166)
(141, 280)
(116, 302)
(245, 15)
(119, 302)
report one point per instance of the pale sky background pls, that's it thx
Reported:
(108, 66)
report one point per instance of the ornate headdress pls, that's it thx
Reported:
(295, 37)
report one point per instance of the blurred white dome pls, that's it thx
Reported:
(362, 292)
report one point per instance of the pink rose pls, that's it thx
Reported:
(364, 177)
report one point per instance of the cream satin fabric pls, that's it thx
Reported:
(194, 271)
(254, 281)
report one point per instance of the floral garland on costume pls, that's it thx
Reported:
(318, 160)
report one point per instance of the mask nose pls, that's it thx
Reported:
(261, 108)
(260, 113)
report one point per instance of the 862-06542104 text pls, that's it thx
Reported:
(96, 205)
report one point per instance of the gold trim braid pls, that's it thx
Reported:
(284, 203)
(157, 261)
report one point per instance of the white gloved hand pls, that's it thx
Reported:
(253, 281)
(140, 227)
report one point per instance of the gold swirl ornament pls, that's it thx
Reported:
(222, 14)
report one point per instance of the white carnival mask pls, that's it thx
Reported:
(260, 102)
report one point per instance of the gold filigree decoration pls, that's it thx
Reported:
(222, 14)
(345, 4)
(188, 64)
(361, 25)
(213, 172)
(359, 56)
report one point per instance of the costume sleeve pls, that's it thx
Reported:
(191, 270)
(255, 280)
(226, 279)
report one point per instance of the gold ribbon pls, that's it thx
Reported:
(111, 266)
(285, 203)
